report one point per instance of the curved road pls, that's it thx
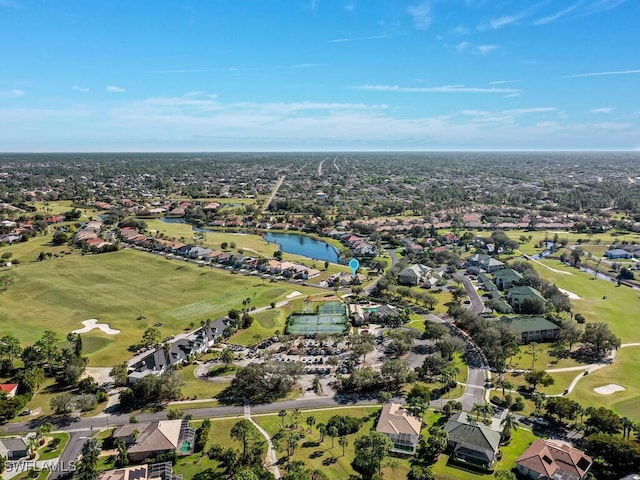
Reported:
(476, 302)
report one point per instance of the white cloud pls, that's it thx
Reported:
(77, 88)
(557, 15)
(461, 30)
(601, 110)
(12, 93)
(503, 82)
(484, 49)
(597, 74)
(462, 46)
(500, 22)
(114, 89)
(512, 95)
(358, 39)
(603, 6)
(440, 89)
(421, 15)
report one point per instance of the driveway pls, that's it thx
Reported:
(476, 306)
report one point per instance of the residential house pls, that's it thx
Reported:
(532, 329)
(178, 351)
(414, 275)
(154, 471)
(145, 440)
(477, 262)
(617, 253)
(10, 239)
(14, 448)
(506, 277)
(486, 282)
(402, 428)
(9, 389)
(552, 459)
(472, 441)
(517, 295)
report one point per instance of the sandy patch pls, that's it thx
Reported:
(569, 294)
(609, 389)
(93, 323)
(294, 294)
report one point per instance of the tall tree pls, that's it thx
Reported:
(10, 348)
(247, 434)
(370, 450)
(87, 466)
(48, 349)
(600, 338)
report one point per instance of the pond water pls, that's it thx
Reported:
(303, 245)
(173, 220)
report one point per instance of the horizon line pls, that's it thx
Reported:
(453, 150)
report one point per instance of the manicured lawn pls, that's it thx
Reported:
(46, 453)
(117, 288)
(520, 441)
(613, 310)
(219, 434)
(267, 323)
(624, 372)
(322, 455)
(544, 360)
(43, 475)
(562, 381)
(195, 388)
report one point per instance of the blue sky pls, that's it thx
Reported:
(233, 75)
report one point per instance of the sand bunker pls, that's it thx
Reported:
(609, 389)
(569, 294)
(93, 323)
(293, 294)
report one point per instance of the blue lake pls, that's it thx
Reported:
(303, 245)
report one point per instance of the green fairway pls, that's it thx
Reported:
(613, 310)
(622, 372)
(117, 288)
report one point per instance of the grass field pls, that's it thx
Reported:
(119, 287)
(623, 372)
(336, 466)
(220, 433)
(47, 453)
(613, 310)
(267, 323)
(322, 455)
(194, 388)
(562, 380)
(544, 360)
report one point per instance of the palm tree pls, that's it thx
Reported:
(317, 384)
(487, 411)
(533, 351)
(477, 409)
(343, 442)
(333, 433)
(509, 423)
(296, 416)
(627, 427)
(282, 413)
(506, 386)
(322, 430)
(310, 420)
(227, 358)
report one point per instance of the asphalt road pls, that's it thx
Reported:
(476, 302)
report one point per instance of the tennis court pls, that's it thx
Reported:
(330, 318)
